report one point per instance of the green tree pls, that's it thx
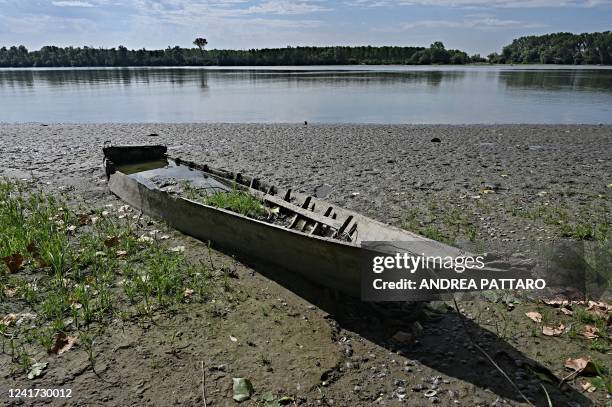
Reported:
(200, 43)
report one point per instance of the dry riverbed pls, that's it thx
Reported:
(515, 185)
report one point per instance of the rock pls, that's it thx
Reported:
(242, 388)
(490, 186)
(430, 393)
(436, 140)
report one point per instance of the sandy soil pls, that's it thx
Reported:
(285, 345)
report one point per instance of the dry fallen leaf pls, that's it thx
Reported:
(10, 292)
(588, 387)
(83, 218)
(13, 262)
(178, 249)
(566, 311)
(599, 309)
(63, 343)
(33, 250)
(599, 305)
(556, 302)
(534, 316)
(8, 320)
(121, 253)
(111, 241)
(590, 332)
(551, 331)
(581, 365)
(233, 338)
(188, 293)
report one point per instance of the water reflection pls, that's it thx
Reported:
(101, 77)
(317, 94)
(582, 79)
(183, 77)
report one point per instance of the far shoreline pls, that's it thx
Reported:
(364, 67)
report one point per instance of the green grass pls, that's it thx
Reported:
(441, 224)
(590, 222)
(237, 201)
(443, 221)
(77, 276)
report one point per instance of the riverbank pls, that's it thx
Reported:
(506, 184)
(497, 183)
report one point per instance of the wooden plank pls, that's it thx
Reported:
(299, 211)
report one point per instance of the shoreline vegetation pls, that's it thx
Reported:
(557, 48)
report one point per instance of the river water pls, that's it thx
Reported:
(330, 94)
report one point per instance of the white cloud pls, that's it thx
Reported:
(226, 13)
(71, 3)
(229, 8)
(479, 23)
(286, 7)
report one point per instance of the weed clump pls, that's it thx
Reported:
(237, 201)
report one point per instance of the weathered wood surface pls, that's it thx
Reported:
(328, 262)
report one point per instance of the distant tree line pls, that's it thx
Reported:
(559, 48)
(51, 56)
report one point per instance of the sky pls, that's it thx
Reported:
(475, 26)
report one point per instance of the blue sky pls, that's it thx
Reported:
(473, 25)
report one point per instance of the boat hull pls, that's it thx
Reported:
(329, 262)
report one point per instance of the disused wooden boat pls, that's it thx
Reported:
(320, 241)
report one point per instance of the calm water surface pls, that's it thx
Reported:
(372, 94)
